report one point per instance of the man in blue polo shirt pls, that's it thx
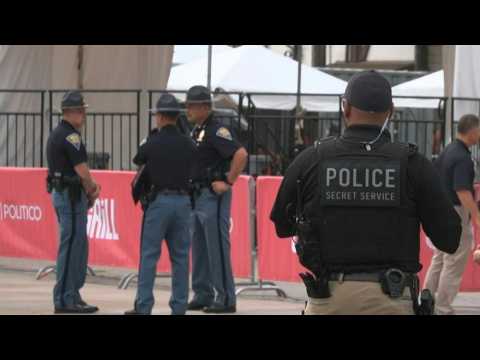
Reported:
(456, 169)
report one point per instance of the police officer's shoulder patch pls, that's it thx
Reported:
(75, 140)
(224, 133)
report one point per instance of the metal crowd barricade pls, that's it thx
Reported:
(21, 128)
(255, 284)
(112, 129)
(278, 135)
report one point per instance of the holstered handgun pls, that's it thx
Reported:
(139, 185)
(60, 182)
(308, 249)
(317, 286)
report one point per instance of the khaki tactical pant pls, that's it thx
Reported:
(360, 298)
(444, 276)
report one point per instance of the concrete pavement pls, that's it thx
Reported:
(21, 294)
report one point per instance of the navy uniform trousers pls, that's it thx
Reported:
(167, 217)
(212, 278)
(72, 256)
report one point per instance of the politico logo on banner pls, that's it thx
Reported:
(20, 212)
(101, 221)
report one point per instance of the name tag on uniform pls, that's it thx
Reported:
(360, 182)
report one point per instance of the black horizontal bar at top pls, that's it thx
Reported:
(102, 114)
(22, 91)
(465, 99)
(132, 91)
(20, 114)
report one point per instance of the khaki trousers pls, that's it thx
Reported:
(444, 276)
(360, 298)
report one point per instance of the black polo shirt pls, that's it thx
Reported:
(456, 169)
(65, 149)
(216, 144)
(169, 157)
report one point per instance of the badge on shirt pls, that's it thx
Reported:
(75, 140)
(224, 133)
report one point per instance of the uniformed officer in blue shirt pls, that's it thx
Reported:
(221, 159)
(168, 157)
(73, 193)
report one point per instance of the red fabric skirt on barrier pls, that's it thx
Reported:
(277, 259)
(28, 224)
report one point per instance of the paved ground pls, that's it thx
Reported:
(21, 294)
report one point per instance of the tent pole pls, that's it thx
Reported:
(209, 74)
(299, 76)
(80, 67)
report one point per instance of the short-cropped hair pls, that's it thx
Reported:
(467, 123)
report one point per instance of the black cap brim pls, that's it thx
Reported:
(84, 106)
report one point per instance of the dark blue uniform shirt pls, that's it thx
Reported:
(455, 166)
(65, 150)
(169, 157)
(216, 144)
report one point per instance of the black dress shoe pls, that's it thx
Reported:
(220, 309)
(133, 312)
(90, 307)
(75, 309)
(196, 306)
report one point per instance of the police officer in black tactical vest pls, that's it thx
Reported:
(356, 203)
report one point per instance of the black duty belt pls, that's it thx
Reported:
(173, 192)
(201, 184)
(366, 277)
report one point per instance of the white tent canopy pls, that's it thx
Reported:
(255, 69)
(466, 79)
(428, 85)
(183, 54)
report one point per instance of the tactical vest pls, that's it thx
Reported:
(362, 216)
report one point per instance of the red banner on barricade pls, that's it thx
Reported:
(240, 225)
(28, 224)
(277, 259)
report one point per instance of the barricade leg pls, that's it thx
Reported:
(128, 278)
(263, 286)
(43, 272)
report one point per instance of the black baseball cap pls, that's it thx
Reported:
(369, 91)
(167, 104)
(73, 100)
(199, 94)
